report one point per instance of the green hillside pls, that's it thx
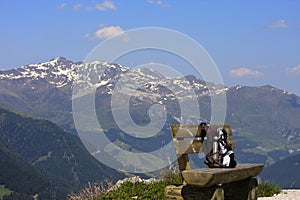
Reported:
(48, 150)
(23, 179)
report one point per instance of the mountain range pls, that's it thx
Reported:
(265, 119)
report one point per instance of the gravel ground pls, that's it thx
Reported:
(284, 195)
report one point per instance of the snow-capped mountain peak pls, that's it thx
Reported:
(60, 71)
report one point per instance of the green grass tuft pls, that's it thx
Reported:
(4, 191)
(173, 176)
(137, 190)
(266, 189)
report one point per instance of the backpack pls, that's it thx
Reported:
(202, 128)
(224, 156)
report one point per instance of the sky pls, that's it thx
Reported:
(252, 43)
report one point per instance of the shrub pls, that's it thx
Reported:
(92, 191)
(266, 189)
(173, 176)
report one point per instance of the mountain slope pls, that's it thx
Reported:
(285, 173)
(24, 180)
(52, 151)
(266, 120)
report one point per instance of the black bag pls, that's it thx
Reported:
(203, 132)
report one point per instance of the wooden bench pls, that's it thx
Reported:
(209, 183)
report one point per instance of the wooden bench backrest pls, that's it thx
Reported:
(187, 140)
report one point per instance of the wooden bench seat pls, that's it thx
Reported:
(209, 183)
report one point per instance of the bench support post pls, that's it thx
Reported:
(239, 190)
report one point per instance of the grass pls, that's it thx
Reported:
(4, 191)
(266, 189)
(138, 190)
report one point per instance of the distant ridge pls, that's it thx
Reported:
(284, 173)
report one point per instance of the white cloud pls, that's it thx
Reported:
(294, 70)
(278, 24)
(62, 5)
(105, 5)
(105, 32)
(108, 31)
(76, 6)
(158, 2)
(241, 72)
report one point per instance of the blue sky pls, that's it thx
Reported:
(251, 42)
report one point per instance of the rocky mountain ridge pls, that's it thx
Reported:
(60, 72)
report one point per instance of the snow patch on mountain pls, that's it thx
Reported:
(238, 87)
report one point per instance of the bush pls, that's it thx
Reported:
(92, 191)
(173, 176)
(266, 189)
